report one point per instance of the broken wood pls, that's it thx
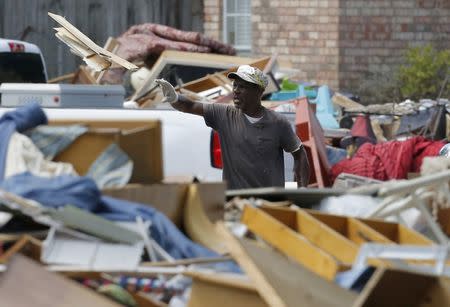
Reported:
(281, 282)
(290, 242)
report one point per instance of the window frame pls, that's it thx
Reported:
(226, 14)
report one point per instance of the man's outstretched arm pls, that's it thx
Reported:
(301, 167)
(179, 102)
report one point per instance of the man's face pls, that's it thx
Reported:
(245, 94)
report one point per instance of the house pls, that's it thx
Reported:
(334, 42)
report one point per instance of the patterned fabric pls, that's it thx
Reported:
(113, 168)
(51, 140)
(250, 74)
(146, 41)
(175, 39)
(388, 160)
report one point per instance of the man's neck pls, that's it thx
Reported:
(257, 111)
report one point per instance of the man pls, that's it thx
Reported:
(252, 138)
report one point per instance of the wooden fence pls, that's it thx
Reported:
(27, 20)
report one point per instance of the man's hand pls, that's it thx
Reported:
(169, 92)
(301, 167)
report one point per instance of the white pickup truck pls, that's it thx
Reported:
(21, 62)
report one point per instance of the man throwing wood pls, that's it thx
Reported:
(252, 138)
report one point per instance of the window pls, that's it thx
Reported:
(21, 67)
(237, 28)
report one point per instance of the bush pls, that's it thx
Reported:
(424, 73)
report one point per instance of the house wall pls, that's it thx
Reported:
(374, 35)
(337, 42)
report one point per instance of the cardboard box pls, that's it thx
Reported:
(141, 140)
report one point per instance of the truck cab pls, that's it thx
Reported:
(21, 62)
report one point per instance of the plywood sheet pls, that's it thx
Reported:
(26, 283)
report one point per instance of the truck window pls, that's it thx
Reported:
(21, 68)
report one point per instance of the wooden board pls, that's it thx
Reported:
(397, 232)
(304, 198)
(26, 283)
(317, 233)
(26, 245)
(281, 282)
(290, 242)
(218, 289)
(89, 43)
(351, 228)
(389, 287)
(200, 212)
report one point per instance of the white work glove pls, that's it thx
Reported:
(169, 92)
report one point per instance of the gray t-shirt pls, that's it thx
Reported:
(252, 154)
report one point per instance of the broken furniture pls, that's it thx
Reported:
(332, 241)
(310, 132)
(283, 282)
(95, 56)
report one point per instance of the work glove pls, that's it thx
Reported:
(170, 95)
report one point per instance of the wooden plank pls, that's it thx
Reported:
(198, 223)
(62, 78)
(361, 233)
(26, 245)
(111, 45)
(217, 290)
(326, 238)
(304, 198)
(285, 215)
(26, 283)
(281, 282)
(199, 260)
(388, 287)
(290, 242)
(88, 42)
(82, 76)
(317, 233)
(397, 233)
(350, 227)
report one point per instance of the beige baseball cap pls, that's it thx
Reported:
(250, 74)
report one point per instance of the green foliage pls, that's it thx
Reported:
(424, 73)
